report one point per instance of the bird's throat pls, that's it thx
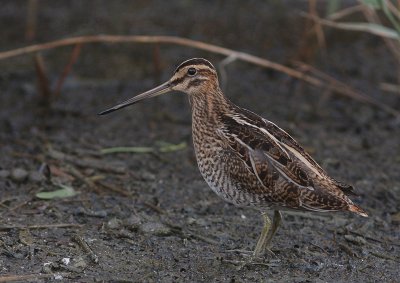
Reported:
(207, 105)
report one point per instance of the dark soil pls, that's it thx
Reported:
(150, 217)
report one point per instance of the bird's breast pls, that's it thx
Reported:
(215, 165)
(209, 152)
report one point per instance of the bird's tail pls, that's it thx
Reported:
(356, 209)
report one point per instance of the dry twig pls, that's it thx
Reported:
(29, 277)
(345, 12)
(43, 81)
(365, 27)
(335, 85)
(85, 247)
(87, 162)
(319, 32)
(73, 58)
(113, 188)
(390, 88)
(31, 19)
(160, 40)
(40, 226)
(183, 42)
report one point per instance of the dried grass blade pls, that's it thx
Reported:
(72, 59)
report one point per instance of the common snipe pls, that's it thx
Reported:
(247, 160)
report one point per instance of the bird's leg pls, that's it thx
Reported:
(275, 225)
(266, 236)
(267, 232)
(259, 250)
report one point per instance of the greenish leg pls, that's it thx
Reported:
(259, 250)
(266, 236)
(275, 225)
(267, 232)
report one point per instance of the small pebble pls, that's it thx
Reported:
(114, 223)
(65, 260)
(79, 263)
(155, 228)
(199, 221)
(133, 222)
(147, 176)
(48, 267)
(98, 213)
(191, 221)
(58, 277)
(19, 175)
(35, 177)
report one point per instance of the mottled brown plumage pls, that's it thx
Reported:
(248, 160)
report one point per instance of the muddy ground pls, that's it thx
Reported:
(149, 217)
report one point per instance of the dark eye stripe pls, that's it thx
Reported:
(195, 82)
(178, 80)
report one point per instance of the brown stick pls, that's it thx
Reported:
(319, 32)
(31, 20)
(345, 12)
(85, 246)
(160, 39)
(334, 84)
(44, 226)
(114, 189)
(178, 41)
(74, 56)
(28, 277)
(43, 81)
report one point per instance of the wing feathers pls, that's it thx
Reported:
(264, 148)
(279, 162)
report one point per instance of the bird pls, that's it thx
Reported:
(247, 160)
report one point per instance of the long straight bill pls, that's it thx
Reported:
(165, 87)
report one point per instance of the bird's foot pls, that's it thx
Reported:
(258, 261)
(252, 254)
(245, 253)
(251, 258)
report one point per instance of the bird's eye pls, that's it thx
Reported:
(191, 71)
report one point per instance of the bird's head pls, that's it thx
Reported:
(194, 76)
